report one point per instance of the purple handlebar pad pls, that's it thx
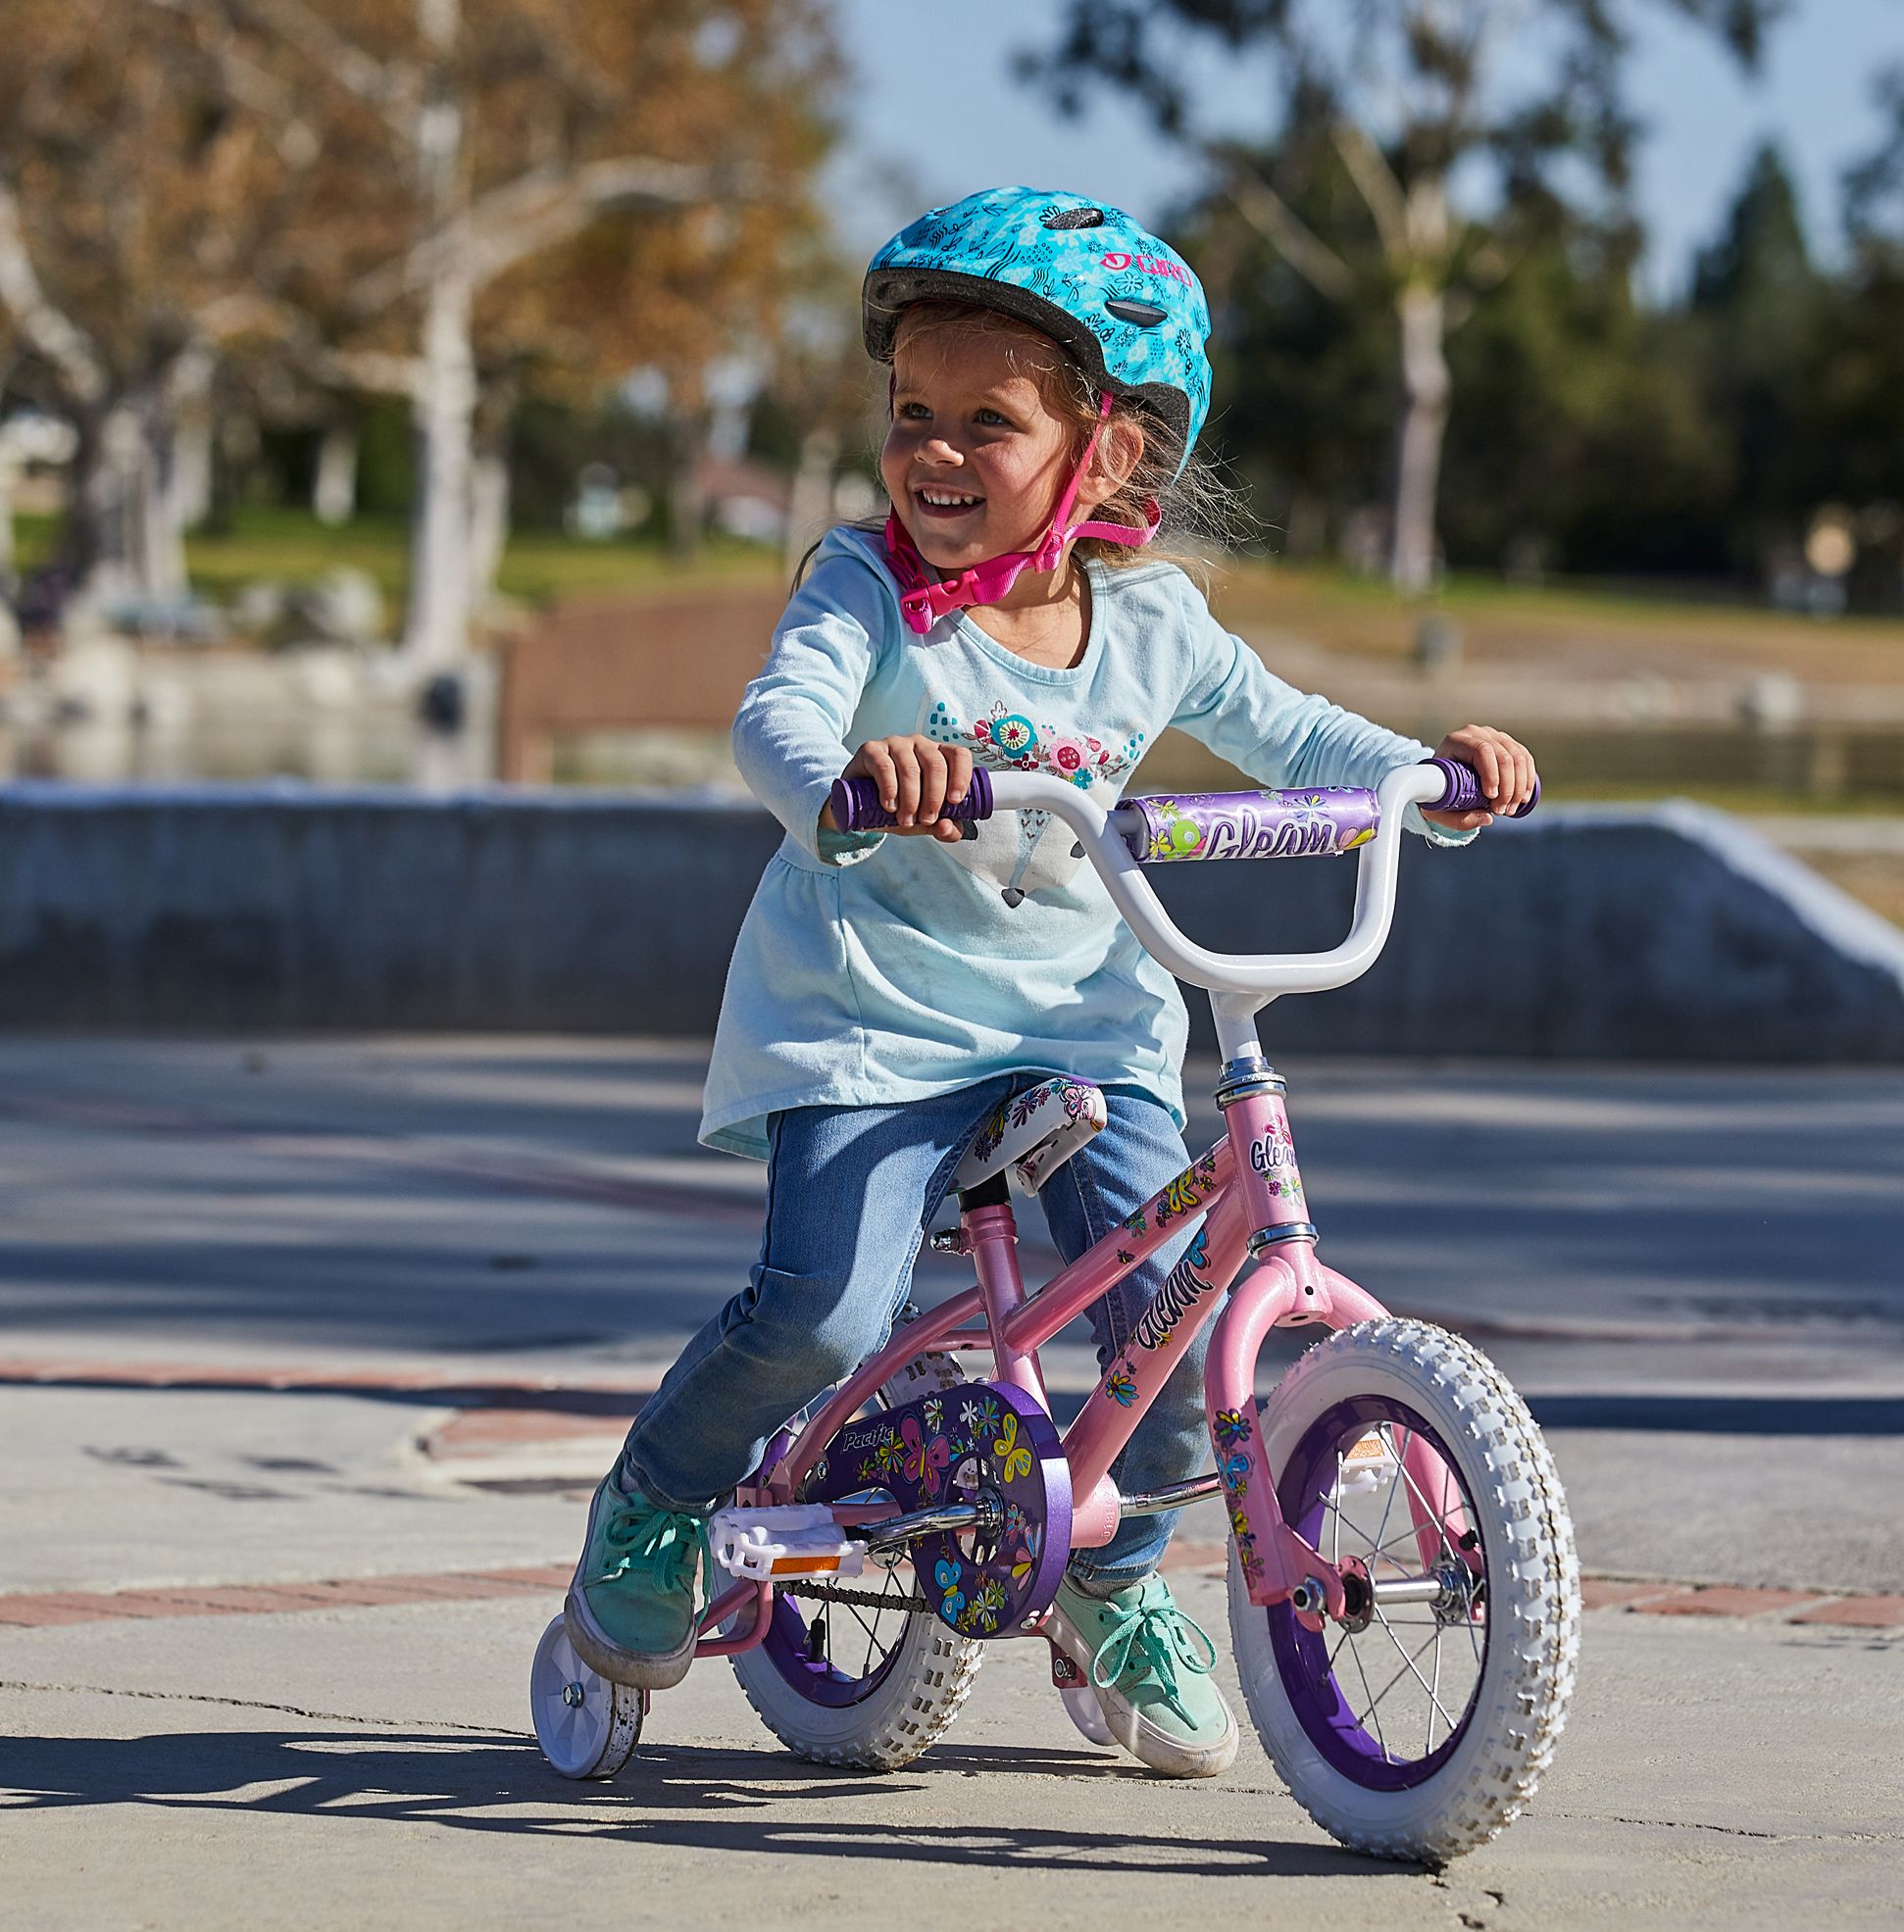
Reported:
(1292, 824)
(1464, 792)
(855, 803)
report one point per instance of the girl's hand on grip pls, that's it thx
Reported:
(1503, 764)
(916, 778)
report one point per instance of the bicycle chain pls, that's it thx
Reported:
(863, 1599)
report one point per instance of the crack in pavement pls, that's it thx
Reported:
(1737, 1831)
(259, 1704)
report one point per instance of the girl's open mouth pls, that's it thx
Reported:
(945, 504)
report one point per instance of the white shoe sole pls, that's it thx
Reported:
(643, 1670)
(1148, 1742)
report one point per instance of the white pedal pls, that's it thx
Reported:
(1367, 1467)
(793, 1539)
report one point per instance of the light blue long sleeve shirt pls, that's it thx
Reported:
(872, 970)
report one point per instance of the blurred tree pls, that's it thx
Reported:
(140, 211)
(1859, 395)
(1758, 306)
(1401, 93)
(580, 184)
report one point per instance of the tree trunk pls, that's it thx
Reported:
(810, 503)
(437, 631)
(1425, 418)
(103, 525)
(489, 523)
(158, 560)
(436, 634)
(687, 499)
(189, 483)
(334, 493)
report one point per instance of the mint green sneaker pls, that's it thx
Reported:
(1150, 1666)
(630, 1610)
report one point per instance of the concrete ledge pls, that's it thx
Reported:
(1669, 933)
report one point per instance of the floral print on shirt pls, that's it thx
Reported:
(1013, 852)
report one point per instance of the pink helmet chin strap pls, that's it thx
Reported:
(924, 599)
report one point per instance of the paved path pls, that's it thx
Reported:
(309, 1351)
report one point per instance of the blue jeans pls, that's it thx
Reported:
(850, 1192)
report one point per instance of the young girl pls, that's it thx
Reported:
(887, 990)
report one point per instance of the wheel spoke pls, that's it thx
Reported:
(1356, 1655)
(1408, 1663)
(1411, 1662)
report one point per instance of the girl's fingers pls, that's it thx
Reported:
(931, 782)
(876, 763)
(905, 764)
(958, 774)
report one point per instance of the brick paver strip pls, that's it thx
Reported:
(47, 1608)
(1723, 1600)
(1863, 1612)
(1598, 1593)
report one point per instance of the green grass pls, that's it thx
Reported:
(291, 547)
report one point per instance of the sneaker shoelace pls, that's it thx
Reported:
(661, 1542)
(1158, 1636)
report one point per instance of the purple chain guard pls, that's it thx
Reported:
(1301, 824)
(986, 1433)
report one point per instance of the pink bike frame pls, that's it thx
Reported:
(1247, 1194)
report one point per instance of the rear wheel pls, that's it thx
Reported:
(1413, 1728)
(860, 1672)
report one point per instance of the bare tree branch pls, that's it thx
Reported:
(535, 212)
(48, 330)
(1368, 168)
(1289, 234)
(384, 85)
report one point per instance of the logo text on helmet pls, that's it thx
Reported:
(1148, 265)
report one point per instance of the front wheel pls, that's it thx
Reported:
(1418, 1728)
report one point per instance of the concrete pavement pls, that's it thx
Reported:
(358, 1258)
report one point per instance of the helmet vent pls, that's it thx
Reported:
(1145, 314)
(1072, 218)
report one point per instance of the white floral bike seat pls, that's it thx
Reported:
(1032, 1133)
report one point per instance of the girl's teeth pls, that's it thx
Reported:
(948, 502)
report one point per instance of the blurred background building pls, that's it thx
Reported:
(431, 393)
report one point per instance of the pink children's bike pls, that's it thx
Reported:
(1404, 1599)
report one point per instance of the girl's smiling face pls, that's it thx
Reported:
(974, 460)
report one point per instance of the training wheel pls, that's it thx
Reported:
(586, 1725)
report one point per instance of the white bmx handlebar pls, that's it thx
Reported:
(1240, 982)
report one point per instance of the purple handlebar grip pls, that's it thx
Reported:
(856, 806)
(1464, 792)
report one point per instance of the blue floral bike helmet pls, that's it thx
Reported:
(1126, 305)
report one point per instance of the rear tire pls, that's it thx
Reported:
(913, 1674)
(1396, 1381)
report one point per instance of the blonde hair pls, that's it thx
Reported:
(1202, 516)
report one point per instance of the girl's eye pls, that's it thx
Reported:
(991, 416)
(914, 412)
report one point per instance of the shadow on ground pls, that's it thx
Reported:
(684, 1796)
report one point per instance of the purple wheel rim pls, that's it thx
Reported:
(816, 1680)
(1024, 1566)
(1327, 1712)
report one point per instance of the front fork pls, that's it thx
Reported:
(1288, 1288)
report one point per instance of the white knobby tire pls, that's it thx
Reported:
(586, 1725)
(1524, 1675)
(931, 1673)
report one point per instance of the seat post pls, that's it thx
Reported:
(990, 1231)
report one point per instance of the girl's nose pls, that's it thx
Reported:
(937, 450)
